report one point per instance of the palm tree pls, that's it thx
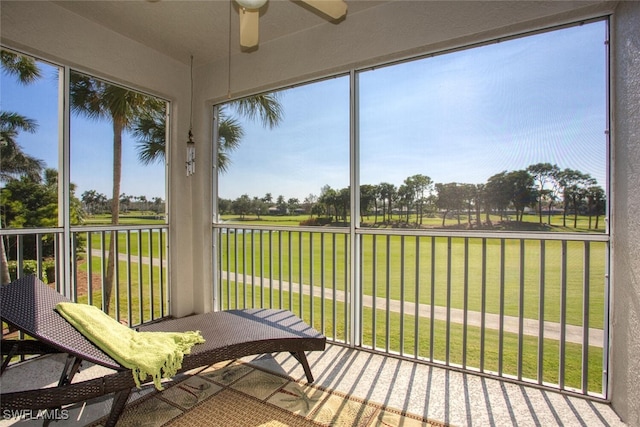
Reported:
(265, 106)
(146, 119)
(99, 100)
(23, 67)
(13, 161)
(149, 128)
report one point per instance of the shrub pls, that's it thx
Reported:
(319, 221)
(30, 266)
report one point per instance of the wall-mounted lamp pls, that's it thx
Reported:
(191, 145)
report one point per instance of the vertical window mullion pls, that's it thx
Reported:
(64, 165)
(355, 327)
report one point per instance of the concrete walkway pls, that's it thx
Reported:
(511, 324)
(134, 258)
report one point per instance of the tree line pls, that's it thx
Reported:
(544, 187)
(95, 203)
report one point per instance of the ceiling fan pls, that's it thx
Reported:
(250, 12)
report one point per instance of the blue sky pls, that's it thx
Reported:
(91, 140)
(457, 117)
(309, 149)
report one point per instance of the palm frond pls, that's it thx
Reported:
(266, 107)
(230, 134)
(149, 130)
(24, 68)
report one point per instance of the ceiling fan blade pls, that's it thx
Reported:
(336, 9)
(249, 27)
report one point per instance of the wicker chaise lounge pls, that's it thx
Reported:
(28, 305)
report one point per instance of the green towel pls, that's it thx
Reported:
(158, 354)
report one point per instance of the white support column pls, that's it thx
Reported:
(182, 273)
(624, 374)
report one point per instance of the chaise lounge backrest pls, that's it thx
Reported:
(39, 319)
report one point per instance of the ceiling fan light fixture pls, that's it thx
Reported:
(251, 4)
(249, 15)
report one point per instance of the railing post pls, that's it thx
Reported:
(354, 288)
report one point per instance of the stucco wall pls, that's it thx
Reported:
(625, 354)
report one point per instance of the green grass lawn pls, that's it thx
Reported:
(130, 218)
(448, 270)
(130, 241)
(139, 297)
(530, 222)
(321, 316)
(497, 274)
(149, 242)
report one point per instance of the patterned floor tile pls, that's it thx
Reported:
(338, 411)
(190, 392)
(225, 373)
(259, 384)
(150, 413)
(298, 398)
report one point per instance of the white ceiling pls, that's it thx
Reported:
(180, 28)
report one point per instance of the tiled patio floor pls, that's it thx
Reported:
(434, 393)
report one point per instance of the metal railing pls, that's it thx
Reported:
(79, 268)
(530, 308)
(303, 271)
(526, 307)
